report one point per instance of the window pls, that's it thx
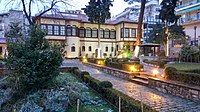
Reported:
(62, 30)
(69, 30)
(101, 33)
(157, 17)
(94, 33)
(158, 9)
(106, 33)
(82, 32)
(73, 30)
(43, 27)
(88, 32)
(50, 30)
(90, 48)
(133, 32)
(83, 48)
(117, 47)
(1, 50)
(73, 49)
(106, 49)
(112, 49)
(112, 34)
(126, 32)
(56, 30)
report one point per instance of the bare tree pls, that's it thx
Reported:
(43, 6)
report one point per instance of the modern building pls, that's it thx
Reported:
(189, 10)
(80, 36)
(151, 15)
(12, 16)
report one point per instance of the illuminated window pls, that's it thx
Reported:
(56, 30)
(50, 29)
(62, 30)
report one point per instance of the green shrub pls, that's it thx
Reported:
(105, 84)
(185, 77)
(169, 71)
(33, 60)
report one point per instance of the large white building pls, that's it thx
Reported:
(80, 36)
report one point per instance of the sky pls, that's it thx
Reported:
(118, 6)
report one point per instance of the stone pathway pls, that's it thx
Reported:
(157, 100)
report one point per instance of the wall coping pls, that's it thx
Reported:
(177, 83)
(112, 68)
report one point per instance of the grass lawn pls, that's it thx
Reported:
(185, 66)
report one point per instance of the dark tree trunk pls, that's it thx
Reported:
(140, 22)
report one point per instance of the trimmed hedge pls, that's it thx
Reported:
(105, 84)
(105, 89)
(185, 77)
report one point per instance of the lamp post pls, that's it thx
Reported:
(195, 29)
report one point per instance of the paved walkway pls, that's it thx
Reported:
(157, 100)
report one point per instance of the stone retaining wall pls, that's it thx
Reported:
(177, 89)
(169, 87)
(112, 71)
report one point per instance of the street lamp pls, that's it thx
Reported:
(195, 29)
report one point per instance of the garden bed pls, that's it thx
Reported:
(61, 96)
(105, 89)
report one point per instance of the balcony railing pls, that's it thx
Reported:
(189, 2)
(190, 19)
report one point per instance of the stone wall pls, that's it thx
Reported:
(112, 71)
(169, 87)
(177, 89)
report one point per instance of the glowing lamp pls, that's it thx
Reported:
(99, 62)
(155, 72)
(85, 60)
(83, 57)
(133, 69)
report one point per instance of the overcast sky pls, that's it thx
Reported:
(118, 6)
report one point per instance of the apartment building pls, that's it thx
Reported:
(189, 10)
(151, 15)
(80, 36)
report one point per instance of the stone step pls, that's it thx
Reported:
(139, 81)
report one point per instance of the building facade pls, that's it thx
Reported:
(189, 10)
(151, 15)
(12, 16)
(80, 36)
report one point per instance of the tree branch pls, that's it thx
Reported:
(25, 12)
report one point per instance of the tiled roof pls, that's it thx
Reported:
(83, 18)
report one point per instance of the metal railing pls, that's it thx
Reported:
(189, 2)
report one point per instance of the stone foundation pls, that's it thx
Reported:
(177, 89)
(169, 87)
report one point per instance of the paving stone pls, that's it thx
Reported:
(161, 101)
